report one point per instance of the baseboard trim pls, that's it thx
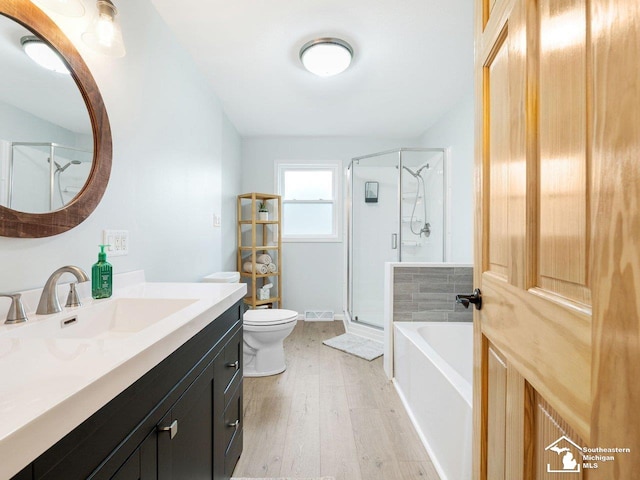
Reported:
(336, 318)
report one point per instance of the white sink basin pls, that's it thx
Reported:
(117, 318)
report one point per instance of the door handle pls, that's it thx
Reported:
(235, 365)
(235, 424)
(394, 241)
(475, 298)
(172, 429)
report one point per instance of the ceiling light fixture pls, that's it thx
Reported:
(104, 35)
(326, 56)
(41, 53)
(68, 8)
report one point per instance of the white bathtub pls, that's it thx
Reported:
(433, 368)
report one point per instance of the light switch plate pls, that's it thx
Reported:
(118, 241)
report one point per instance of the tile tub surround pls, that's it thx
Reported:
(423, 292)
(50, 386)
(428, 294)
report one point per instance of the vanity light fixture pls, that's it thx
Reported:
(43, 54)
(68, 8)
(103, 34)
(326, 56)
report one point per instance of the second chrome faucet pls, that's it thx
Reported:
(49, 302)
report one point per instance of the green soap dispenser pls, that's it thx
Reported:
(101, 276)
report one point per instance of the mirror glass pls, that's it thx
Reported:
(46, 139)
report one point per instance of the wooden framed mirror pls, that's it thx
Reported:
(27, 224)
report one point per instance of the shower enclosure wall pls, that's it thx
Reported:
(43, 177)
(405, 222)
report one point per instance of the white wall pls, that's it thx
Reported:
(455, 131)
(173, 150)
(313, 273)
(231, 186)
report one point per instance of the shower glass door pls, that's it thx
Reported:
(397, 207)
(374, 232)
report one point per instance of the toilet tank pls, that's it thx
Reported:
(222, 277)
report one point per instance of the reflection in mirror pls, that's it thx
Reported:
(38, 185)
(46, 141)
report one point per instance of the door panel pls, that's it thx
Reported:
(497, 82)
(548, 428)
(564, 197)
(548, 343)
(497, 416)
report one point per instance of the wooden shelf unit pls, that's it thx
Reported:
(265, 237)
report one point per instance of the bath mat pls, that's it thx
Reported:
(355, 345)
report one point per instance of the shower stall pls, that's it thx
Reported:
(397, 211)
(43, 177)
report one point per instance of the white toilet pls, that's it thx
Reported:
(264, 333)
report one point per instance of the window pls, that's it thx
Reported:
(310, 201)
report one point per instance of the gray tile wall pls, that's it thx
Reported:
(427, 294)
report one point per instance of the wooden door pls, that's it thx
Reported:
(557, 255)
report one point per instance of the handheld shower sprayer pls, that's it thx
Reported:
(60, 169)
(426, 228)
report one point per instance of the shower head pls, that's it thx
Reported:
(417, 173)
(72, 162)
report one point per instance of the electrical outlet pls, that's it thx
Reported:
(118, 241)
(217, 221)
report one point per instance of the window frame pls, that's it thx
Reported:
(335, 168)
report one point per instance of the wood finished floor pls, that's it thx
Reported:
(329, 413)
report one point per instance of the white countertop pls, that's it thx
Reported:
(50, 386)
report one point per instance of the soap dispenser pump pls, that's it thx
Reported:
(102, 276)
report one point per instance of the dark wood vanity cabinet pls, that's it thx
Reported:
(182, 420)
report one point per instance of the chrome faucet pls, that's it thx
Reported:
(49, 302)
(16, 312)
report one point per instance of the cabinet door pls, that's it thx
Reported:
(142, 464)
(185, 434)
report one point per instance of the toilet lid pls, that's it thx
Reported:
(269, 316)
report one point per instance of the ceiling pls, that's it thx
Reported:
(413, 60)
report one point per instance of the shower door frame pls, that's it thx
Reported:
(349, 219)
(52, 153)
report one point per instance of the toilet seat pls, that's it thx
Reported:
(269, 316)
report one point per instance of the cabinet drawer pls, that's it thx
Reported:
(232, 455)
(231, 364)
(233, 418)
